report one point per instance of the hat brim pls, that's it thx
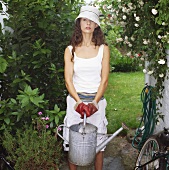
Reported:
(87, 15)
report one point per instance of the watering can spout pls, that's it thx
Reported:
(104, 143)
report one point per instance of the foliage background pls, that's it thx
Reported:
(143, 32)
(31, 59)
(31, 74)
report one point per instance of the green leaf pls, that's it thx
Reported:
(19, 117)
(56, 108)
(2, 127)
(7, 121)
(51, 118)
(15, 113)
(56, 120)
(36, 53)
(13, 101)
(62, 113)
(3, 65)
(51, 124)
(45, 51)
(36, 100)
(25, 101)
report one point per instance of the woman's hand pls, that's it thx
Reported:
(82, 108)
(93, 107)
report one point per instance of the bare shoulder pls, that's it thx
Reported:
(106, 51)
(106, 48)
(67, 54)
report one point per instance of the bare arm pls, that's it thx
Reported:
(104, 74)
(68, 73)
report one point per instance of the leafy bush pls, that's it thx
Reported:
(125, 64)
(31, 76)
(15, 113)
(31, 60)
(35, 148)
(33, 48)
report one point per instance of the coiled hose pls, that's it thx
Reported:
(147, 123)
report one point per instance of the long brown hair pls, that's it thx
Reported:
(77, 38)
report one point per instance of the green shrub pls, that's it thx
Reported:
(33, 149)
(15, 113)
(125, 64)
(35, 47)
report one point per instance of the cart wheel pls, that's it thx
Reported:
(147, 153)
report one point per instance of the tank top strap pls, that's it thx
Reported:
(100, 54)
(70, 48)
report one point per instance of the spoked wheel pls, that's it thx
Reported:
(147, 153)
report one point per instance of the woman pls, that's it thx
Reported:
(86, 76)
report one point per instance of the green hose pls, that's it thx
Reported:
(147, 123)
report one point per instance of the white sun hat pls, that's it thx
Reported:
(89, 12)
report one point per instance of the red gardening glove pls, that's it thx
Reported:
(93, 107)
(82, 108)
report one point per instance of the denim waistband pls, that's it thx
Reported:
(87, 97)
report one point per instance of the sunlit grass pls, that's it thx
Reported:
(123, 100)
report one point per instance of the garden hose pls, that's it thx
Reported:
(147, 123)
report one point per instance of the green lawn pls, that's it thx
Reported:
(123, 100)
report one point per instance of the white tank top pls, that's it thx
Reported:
(87, 72)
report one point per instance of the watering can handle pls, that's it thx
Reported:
(84, 120)
(59, 129)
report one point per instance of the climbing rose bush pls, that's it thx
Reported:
(144, 32)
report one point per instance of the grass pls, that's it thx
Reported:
(123, 100)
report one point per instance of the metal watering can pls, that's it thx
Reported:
(83, 142)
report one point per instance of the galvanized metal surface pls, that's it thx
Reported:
(82, 146)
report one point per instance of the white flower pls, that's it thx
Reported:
(126, 42)
(137, 18)
(104, 7)
(145, 41)
(142, 59)
(124, 17)
(126, 38)
(141, 3)
(161, 61)
(161, 75)
(165, 36)
(150, 72)
(119, 39)
(130, 45)
(136, 55)
(128, 11)
(154, 11)
(129, 54)
(118, 0)
(144, 71)
(140, 65)
(119, 6)
(130, 5)
(132, 38)
(124, 9)
(159, 36)
(135, 15)
(163, 23)
(136, 25)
